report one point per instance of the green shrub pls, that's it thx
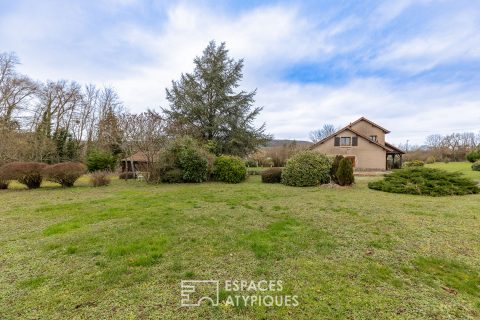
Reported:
(414, 163)
(27, 173)
(430, 160)
(186, 154)
(272, 175)
(307, 168)
(173, 176)
(194, 165)
(476, 166)
(345, 172)
(473, 155)
(229, 169)
(426, 181)
(334, 168)
(65, 173)
(101, 161)
(99, 178)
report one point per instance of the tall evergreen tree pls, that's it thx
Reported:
(208, 106)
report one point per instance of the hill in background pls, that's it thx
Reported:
(282, 142)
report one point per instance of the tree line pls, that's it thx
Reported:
(449, 147)
(56, 121)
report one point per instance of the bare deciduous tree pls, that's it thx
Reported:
(325, 131)
(15, 90)
(145, 133)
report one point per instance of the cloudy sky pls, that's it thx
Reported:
(410, 65)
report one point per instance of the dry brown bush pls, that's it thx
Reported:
(27, 173)
(65, 173)
(4, 184)
(99, 178)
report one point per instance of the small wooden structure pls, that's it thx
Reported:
(135, 163)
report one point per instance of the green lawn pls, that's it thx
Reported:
(463, 167)
(121, 251)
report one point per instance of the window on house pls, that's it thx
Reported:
(345, 141)
(374, 138)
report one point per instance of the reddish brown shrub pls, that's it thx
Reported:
(27, 173)
(65, 173)
(99, 179)
(3, 184)
(3, 180)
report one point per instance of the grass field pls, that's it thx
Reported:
(463, 167)
(121, 251)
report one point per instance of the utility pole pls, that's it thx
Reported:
(406, 147)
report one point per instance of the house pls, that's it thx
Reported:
(134, 163)
(362, 141)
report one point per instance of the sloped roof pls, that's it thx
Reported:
(353, 131)
(387, 147)
(137, 157)
(395, 149)
(371, 122)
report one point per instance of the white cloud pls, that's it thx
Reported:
(390, 10)
(409, 111)
(447, 40)
(141, 59)
(269, 38)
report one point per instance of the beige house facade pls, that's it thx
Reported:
(363, 142)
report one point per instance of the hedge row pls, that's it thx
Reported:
(185, 160)
(32, 174)
(310, 168)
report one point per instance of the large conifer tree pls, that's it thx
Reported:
(208, 106)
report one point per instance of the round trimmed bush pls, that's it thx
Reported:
(476, 166)
(473, 155)
(426, 181)
(229, 169)
(345, 172)
(307, 168)
(272, 175)
(414, 163)
(65, 173)
(27, 173)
